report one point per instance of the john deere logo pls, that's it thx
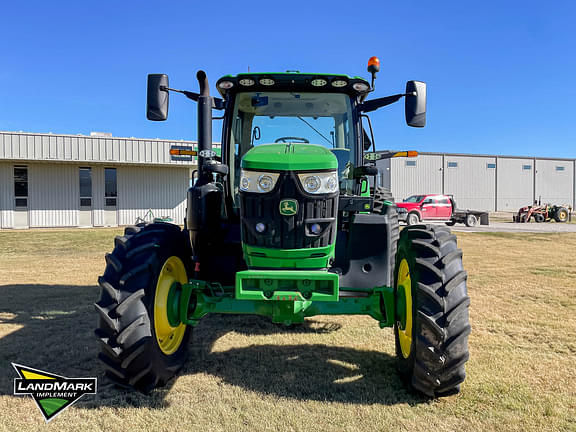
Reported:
(52, 393)
(288, 207)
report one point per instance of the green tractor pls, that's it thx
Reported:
(284, 223)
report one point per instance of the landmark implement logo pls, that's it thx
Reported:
(52, 393)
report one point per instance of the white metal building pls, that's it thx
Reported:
(483, 182)
(49, 180)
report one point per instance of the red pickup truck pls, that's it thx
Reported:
(441, 208)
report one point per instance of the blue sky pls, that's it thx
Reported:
(500, 74)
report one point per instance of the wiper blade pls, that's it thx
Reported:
(317, 131)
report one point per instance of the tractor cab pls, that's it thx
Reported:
(294, 110)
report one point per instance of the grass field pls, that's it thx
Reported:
(332, 374)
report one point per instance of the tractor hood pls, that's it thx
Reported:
(289, 157)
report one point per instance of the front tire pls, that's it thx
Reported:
(431, 326)
(139, 346)
(413, 219)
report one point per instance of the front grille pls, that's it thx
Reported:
(288, 232)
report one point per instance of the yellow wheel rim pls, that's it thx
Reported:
(404, 283)
(169, 338)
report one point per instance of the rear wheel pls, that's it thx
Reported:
(140, 347)
(431, 327)
(451, 223)
(471, 220)
(561, 215)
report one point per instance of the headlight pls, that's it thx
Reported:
(257, 181)
(319, 183)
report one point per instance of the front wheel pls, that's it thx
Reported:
(431, 325)
(141, 346)
(413, 219)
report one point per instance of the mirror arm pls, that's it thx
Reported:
(217, 103)
(374, 104)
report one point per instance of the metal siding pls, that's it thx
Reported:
(6, 195)
(53, 195)
(35, 147)
(163, 190)
(425, 177)
(384, 173)
(553, 186)
(515, 187)
(471, 182)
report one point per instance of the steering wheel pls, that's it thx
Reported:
(292, 139)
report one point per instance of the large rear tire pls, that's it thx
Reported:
(431, 326)
(140, 348)
(561, 215)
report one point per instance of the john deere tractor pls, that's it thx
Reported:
(286, 222)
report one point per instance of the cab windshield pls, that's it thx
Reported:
(414, 199)
(261, 118)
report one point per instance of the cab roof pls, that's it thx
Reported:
(291, 81)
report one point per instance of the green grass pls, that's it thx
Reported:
(333, 373)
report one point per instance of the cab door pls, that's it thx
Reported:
(444, 208)
(428, 208)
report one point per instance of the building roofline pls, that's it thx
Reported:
(489, 156)
(49, 134)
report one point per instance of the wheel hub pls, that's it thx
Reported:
(404, 308)
(167, 326)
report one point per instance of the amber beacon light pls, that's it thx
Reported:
(374, 65)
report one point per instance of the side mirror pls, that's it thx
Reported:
(215, 168)
(416, 103)
(157, 97)
(366, 170)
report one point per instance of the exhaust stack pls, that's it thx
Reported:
(205, 103)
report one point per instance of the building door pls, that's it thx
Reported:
(110, 197)
(85, 210)
(21, 197)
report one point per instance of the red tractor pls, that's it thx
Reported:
(543, 213)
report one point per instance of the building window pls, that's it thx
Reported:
(110, 187)
(526, 167)
(560, 168)
(21, 186)
(85, 187)
(491, 165)
(410, 163)
(452, 164)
